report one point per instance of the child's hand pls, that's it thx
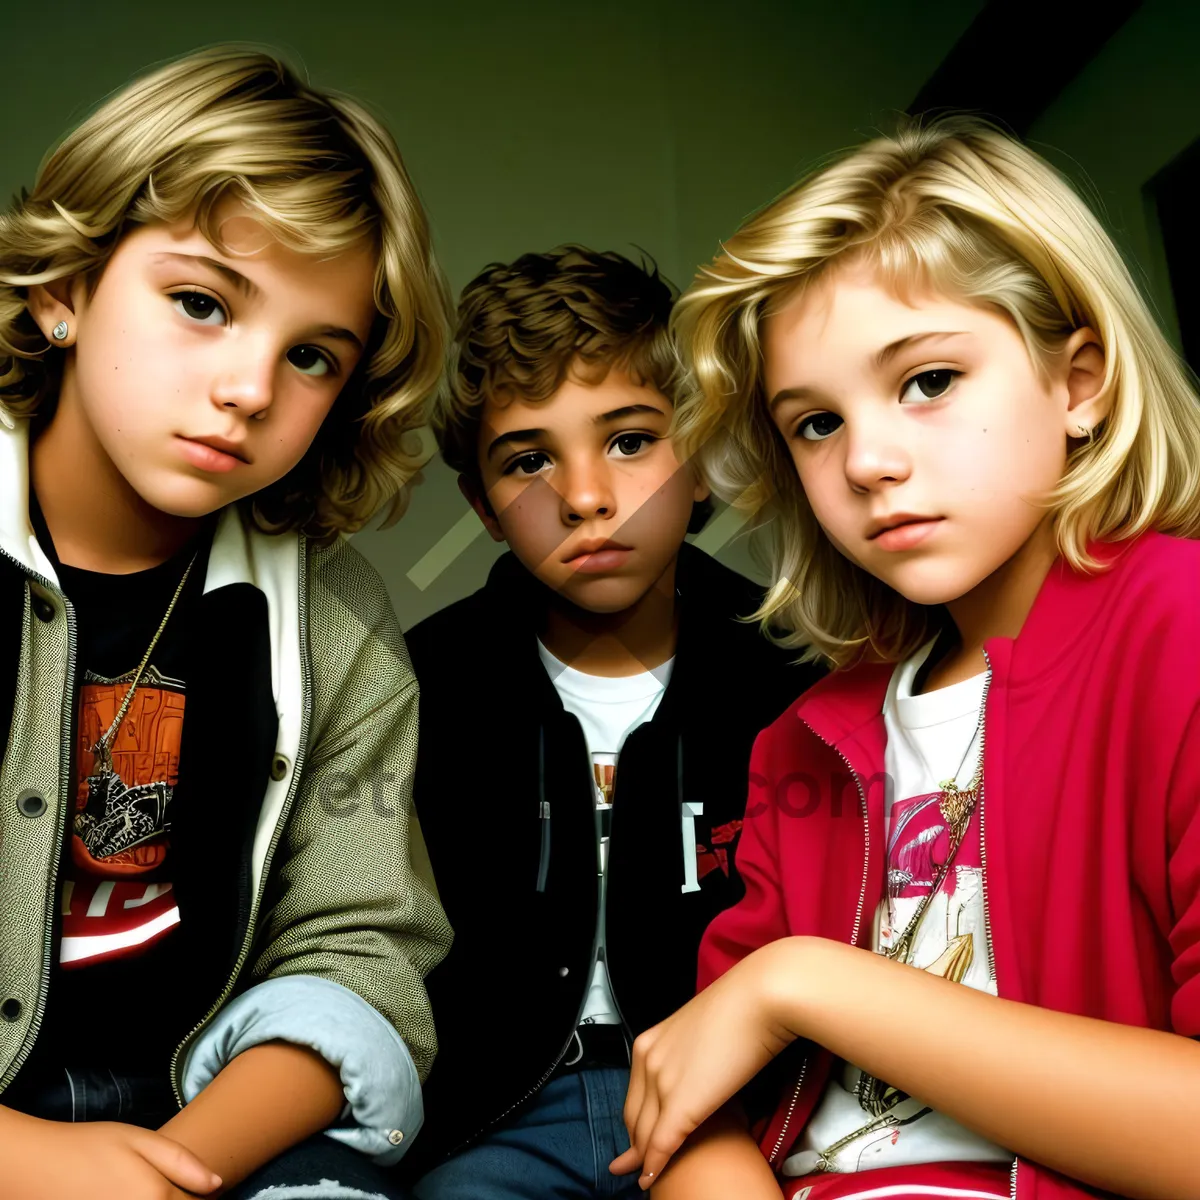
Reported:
(685, 1068)
(102, 1160)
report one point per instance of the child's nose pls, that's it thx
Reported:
(586, 494)
(247, 386)
(874, 460)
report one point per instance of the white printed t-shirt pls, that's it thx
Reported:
(608, 709)
(931, 737)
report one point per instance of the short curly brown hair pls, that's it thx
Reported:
(523, 326)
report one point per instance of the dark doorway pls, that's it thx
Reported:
(1173, 193)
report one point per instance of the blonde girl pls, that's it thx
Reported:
(972, 854)
(219, 318)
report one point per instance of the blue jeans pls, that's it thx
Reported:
(317, 1169)
(558, 1145)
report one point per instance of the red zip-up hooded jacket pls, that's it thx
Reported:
(1088, 814)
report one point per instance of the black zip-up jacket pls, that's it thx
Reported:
(505, 798)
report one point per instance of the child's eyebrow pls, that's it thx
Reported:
(515, 435)
(880, 360)
(246, 286)
(792, 393)
(250, 290)
(627, 410)
(532, 435)
(340, 334)
(893, 348)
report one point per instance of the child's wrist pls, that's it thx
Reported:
(789, 983)
(798, 979)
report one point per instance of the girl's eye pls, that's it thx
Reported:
(527, 464)
(929, 385)
(308, 360)
(630, 443)
(818, 426)
(200, 307)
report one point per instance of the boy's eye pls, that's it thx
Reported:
(818, 426)
(929, 385)
(199, 307)
(527, 464)
(308, 360)
(630, 443)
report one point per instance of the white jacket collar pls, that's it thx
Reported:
(17, 538)
(240, 554)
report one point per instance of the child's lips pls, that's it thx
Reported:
(598, 558)
(907, 535)
(209, 457)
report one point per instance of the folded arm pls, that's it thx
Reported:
(265, 1101)
(1110, 1105)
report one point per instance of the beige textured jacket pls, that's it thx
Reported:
(343, 918)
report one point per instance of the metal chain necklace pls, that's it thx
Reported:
(102, 750)
(956, 806)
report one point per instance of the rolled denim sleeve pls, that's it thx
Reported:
(378, 1075)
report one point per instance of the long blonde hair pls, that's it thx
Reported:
(960, 207)
(322, 174)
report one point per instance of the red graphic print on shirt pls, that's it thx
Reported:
(717, 859)
(116, 901)
(918, 846)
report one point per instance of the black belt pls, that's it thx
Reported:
(594, 1046)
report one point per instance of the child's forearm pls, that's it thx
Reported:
(720, 1160)
(1111, 1105)
(267, 1100)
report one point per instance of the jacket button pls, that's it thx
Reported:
(10, 1010)
(31, 804)
(43, 609)
(563, 972)
(279, 767)
(395, 1136)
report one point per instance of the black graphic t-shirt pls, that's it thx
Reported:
(111, 999)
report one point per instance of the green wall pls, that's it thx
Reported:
(651, 123)
(1132, 109)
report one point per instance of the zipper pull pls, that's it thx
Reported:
(691, 880)
(688, 812)
(544, 853)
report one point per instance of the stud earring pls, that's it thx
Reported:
(60, 331)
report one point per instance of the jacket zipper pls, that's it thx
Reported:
(625, 1028)
(537, 1087)
(987, 915)
(987, 920)
(66, 752)
(297, 769)
(543, 813)
(858, 913)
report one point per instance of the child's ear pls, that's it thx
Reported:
(54, 307)
(1088, 400)
(477, 499)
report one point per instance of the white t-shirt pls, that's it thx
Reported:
(609, 709)
(931, 738)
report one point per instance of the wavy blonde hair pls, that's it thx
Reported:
(323, 175)
(965, 210)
